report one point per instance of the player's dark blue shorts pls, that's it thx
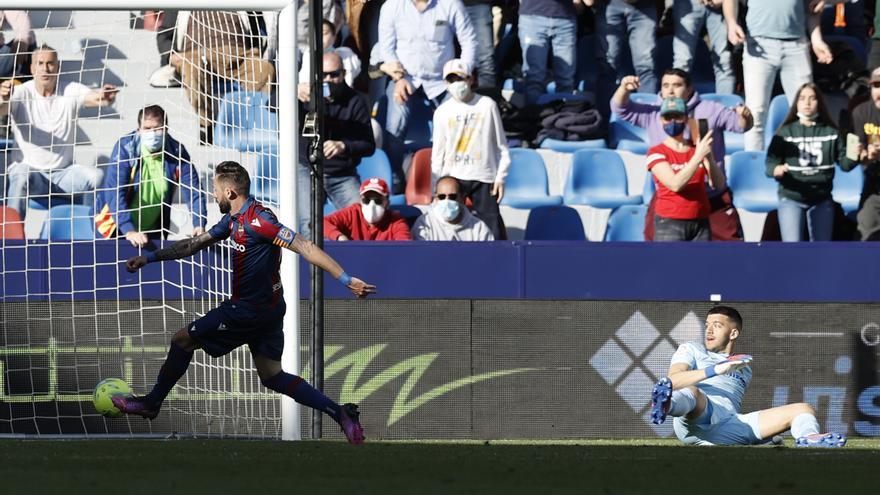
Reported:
(231, 325)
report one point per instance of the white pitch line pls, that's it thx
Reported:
(780, 335)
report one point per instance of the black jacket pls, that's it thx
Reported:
(348, 120)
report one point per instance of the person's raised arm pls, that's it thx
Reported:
(103, 97)
(180, 249)
(628, 85)
(316, 256)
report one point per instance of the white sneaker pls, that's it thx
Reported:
(165, 77)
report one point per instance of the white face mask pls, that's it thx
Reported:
(447, 209)
(810, 117)
(152, 140)
(372, 212)
(459, 90)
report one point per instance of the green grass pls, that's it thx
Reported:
(238, 466)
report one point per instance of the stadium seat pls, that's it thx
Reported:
(526, 185)
(245, 122)
(627, 223)
(554, 223)
(645, 98)
(377, 165)
(633, 146)
(551, 86)
(551, 97)
(598, 178)
(733, 141)
(11, 225)
(69, 223)
(46, 202)
(418, 184)
(752, 189)
(572, 146)
(649, 188)
(726, 100)
(621, 130)
(264, 185)
(775, 115)
(847, 188)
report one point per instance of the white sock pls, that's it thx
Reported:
(804, 424)
(683, 402)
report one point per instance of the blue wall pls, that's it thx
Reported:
(830, 272)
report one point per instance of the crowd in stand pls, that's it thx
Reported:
(388, 64)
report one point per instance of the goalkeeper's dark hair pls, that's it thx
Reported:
(729, 312)
(234, 173)
(154, 112)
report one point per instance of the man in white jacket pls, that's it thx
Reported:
(449, 219)
(469, 144)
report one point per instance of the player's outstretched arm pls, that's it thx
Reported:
(316, 256)
(682, 376)
(180, 249)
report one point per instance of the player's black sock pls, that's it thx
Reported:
(175, 366)
(302, 392)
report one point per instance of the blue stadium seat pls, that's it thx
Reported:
(526, 185)
(649, 188)
(775, 115)
(627, 223)
(48, 201)
(752, 189)
(726, 100)
(551, 86)
(551, 97)
(572, 146)
(621, 130)
(598, 178)
(645, 98)
(733, 141)
(847, 188)
(554, 223)
(633, 146)
(264, 186)
(69, 222)
(245, 122)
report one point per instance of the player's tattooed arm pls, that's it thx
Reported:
(316, 256)
(176, 251)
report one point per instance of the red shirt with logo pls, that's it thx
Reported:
(350, 222)
(691, 202)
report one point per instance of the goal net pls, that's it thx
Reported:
(71, 315)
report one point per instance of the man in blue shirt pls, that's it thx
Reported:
(254, 313)
(416, 38)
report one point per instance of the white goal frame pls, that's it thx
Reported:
(287, 146)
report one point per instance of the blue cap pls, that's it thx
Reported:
(673, 105)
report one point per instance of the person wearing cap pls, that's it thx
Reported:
(448, 219)
(680, 170)
(369, 220)
(866, 125)
(723, 219)
(469, 144)
(348, 137)
(416, 37)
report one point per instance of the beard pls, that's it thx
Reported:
(225, 206)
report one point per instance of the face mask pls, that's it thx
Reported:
(334, 90)
(805, 116)
(152, 140)
(372, 212)
(447, 209)
(459, 90)
(673, 128)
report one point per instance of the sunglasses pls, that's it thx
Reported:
(451, 78)
(333, 74)
(367, 201)
(452, 196)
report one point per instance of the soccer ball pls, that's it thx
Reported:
(106, 389)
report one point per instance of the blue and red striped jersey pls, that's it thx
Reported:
(257, 239)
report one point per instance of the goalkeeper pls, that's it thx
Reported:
(704, 392)
(254, 314)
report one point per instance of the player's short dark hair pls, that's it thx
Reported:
(152, 111)
(447, 178)
(729, 312)
(680, 73)
(234, 173)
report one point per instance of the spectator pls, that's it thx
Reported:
(350, 62)
(692, 16)
(146, 168)
(801, 158)
(166, 76)
(480, 13)
(775, 44)
(43, 119)
(217, 47)
(348, 138)
(680, 170)
(449, 219)
(620, 23)
(371, 220)
(15, 55)
(723, 219)
(330, 9)
(871, 7)
(866, 120)
(542, 24)
(469, 144)
(416, 38)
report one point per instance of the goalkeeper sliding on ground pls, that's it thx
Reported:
(254, 314)
(704, 392)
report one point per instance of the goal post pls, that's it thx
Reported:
(51, 356)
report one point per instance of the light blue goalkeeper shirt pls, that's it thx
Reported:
(725, 391)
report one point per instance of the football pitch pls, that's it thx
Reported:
(612, 467)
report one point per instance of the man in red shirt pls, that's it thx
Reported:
(371, 220)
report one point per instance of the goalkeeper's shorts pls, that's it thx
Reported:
(231, 325)
(719, 425)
